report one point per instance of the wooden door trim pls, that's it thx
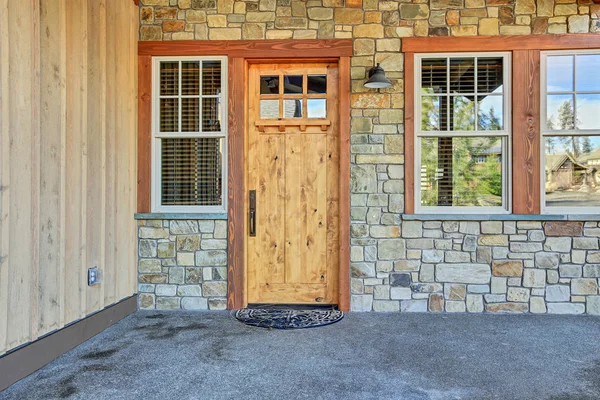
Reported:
(236, 296)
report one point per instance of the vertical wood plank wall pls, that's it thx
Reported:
(68, 120)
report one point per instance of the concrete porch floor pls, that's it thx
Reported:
(209, 355)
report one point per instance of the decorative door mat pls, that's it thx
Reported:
(288, 318)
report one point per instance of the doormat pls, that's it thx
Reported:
(287, 318)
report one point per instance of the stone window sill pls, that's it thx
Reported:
(190, 216)
(500, 217)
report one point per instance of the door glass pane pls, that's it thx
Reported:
(269, 109)
(269, 84)
(462, 75)
(433, 113)
(293, 84)
(317, 108)
(463, 113)
(560, 114)
(588, 111)
(169, 78)
(490, 75)
(560, 74)
(572, 171)
(211, 115)
(211, 78)
(190, 78)
(169, 115)
(317, 84)
(434, 76)
(489, 113)
(190, 114)
(461, 171)
(292, 108)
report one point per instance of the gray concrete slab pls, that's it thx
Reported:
(365, 356)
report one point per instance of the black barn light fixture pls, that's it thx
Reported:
(377, 78)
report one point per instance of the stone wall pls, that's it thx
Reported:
(182, 264)
(411, 266)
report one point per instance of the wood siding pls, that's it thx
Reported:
(68, 118)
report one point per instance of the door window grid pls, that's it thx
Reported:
(300, 96)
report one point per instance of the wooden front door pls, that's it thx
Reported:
(293, 184)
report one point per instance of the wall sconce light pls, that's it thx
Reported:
(377, 78)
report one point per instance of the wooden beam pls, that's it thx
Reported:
(344, 200)
(526, 132)
(501, 43)
(409, 133)
(248, 48)
(144, 133)
(236, 192)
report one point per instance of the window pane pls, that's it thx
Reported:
(211, 78)
(433, 113)
(292, 84)
(588, 72)
(211, 115)
(169, 78)
(292, 108)
(317, 84)
(190, 78)
(269, 109)
(489, 113)
(269, 85)
(191, 171)
(434, 76)
(560, 74)
(490, 75)
(317, 108)
(190, 114)
(462, 75)
(560, 114)
(461, 171)
(588, 111)
(463, 113)
(169, 115)
(572, 166)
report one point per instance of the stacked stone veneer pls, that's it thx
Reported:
(492, 266)
(400, 265)
(182, 264)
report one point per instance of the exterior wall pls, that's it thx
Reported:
(440, 265)
(182, 264)
(67, 161)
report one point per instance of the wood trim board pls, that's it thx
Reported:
(144, 179)
(501, 43)
(409, 133)
(248, 49)
(25, 360)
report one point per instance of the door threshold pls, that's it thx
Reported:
(273, 306)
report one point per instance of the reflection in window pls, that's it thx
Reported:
(572, 166)
(292, 84)
(269, 109)
(317, 108)
(292, 108)
(317, 84)
(461, 171)
(269, 85)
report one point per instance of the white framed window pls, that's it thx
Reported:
(189, 134)
(570, 126)
(462, 133)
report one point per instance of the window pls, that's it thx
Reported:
(189, 134)
(570, 114)
(462, 128)
(300, 96)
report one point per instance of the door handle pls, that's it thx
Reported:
(252, 216)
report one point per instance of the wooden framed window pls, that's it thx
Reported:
(189, 131)
(462, 133)
(551, 88)
(570, 122)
